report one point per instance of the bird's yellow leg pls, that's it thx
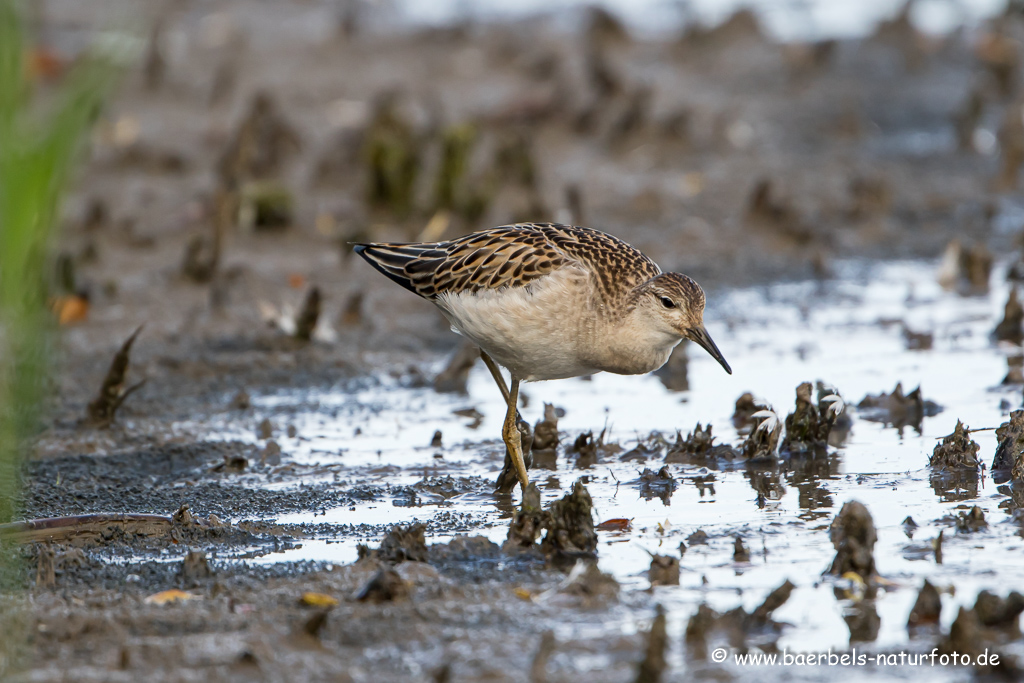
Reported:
(510, 434)
(495, 373)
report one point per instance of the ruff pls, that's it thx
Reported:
(551, 301)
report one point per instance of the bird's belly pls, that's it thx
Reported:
(535, 354)
(532, 331)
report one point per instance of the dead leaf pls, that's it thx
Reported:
(523, 593)
(170, 596)
(617, 524)
(70, 309)
(44, 64)
(311, 599)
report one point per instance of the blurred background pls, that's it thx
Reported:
(737, 142)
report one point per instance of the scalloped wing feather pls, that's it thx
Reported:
(509, 256)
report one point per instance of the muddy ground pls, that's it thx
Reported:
(718, 152)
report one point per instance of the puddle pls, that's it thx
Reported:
(846, 332)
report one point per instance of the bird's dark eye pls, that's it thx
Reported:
(667, 303)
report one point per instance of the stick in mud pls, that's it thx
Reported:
(740, 551)
(653, 664)
(194, 569)
(736, 624)
(545, 432)
(1011, 327)
(384, 586)
(1009, 458)
(315, 624)
(853, 536)
(539, 667)
(46, 574)
(455, 376)
(352, 314)
(664, 571)
(305, 321)
(401, 544)
(528, 521)
(112, 394)
(956, 452)
(570, 534)
(926, 610)
(203, 251)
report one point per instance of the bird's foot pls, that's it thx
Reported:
(514, 443)
(509, 476)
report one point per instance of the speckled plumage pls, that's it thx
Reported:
(510, 256)
(547, 301)
(551, 301)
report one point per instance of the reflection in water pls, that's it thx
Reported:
(705, 485)
(660, 484)
(898, 410)
(766, 480)
(1016, 501)
(545, 459)
(863, 621)
(807, 473)
(808, 20)
(955, 466)
(813, 496)
(955, 486)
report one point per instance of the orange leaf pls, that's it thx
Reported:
(70, 309)
(296, 280)
(618, 524)
(167, 597)
(44, 63)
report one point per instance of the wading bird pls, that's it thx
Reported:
(549, 301)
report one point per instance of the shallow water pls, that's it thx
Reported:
(805, 20)
(841, 331)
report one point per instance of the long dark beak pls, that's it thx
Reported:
(700, 336)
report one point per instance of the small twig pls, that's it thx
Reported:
(968, 431)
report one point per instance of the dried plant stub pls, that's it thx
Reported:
(112, 394)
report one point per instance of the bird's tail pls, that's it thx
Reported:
(400, 262)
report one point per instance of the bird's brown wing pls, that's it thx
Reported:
(615, 265)
(508, 256)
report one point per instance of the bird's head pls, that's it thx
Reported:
(675, 305)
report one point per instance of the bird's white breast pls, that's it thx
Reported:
(538, 331)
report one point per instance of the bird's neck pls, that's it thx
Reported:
(626, 347)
